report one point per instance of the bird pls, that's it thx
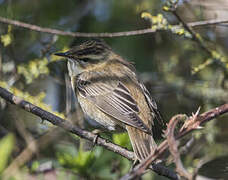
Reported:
(109, 91)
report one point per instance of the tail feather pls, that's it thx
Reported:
(143, 144)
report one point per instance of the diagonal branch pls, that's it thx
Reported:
(63, 123)
(192, 123)
(106, 34)
(161, 170)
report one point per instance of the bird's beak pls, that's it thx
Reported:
(61, 54)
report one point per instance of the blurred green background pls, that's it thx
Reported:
(165, 61)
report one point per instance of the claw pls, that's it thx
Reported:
(42, 121)
(95, 139)
(96, 132)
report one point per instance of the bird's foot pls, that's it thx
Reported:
(96, 132)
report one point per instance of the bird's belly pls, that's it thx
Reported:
(92, 112)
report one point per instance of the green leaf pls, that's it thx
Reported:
(6, 39)
(35, 166)
(33, 69)
(83, 159)
(79, 161)
(6, 148)
(122, 139)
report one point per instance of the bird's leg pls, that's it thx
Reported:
(96, 132)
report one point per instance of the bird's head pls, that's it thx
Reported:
(86, 55)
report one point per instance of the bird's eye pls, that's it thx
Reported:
(85, 59)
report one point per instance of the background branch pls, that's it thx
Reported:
(199, 40)
(116, 34)
(32, 147)
(194, 35)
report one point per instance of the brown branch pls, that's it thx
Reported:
(161, 170)
(63, 123)
(173, 147)
(106, 34)
(193, 123)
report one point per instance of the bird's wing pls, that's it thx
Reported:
(113, 99)
(152, 105)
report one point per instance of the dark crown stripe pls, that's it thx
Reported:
(90, 50)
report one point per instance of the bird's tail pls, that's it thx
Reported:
(143, 144)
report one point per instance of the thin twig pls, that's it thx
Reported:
(197, 38)
(185, 149)
(173, 147)
(106, 34)
(195, 122)
(161, 170)
(188, 28)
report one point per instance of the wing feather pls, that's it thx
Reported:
(115, 100)
(152, 105)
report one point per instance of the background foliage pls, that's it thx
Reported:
(180, 75)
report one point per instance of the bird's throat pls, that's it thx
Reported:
(73, 68)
